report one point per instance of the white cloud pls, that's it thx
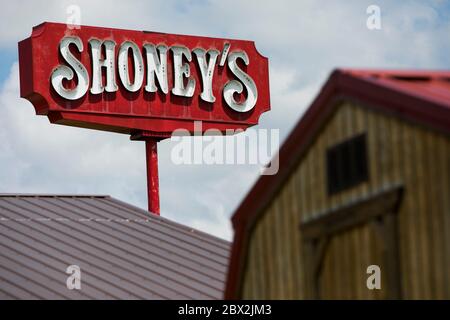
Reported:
(304, 41)
(40, 157)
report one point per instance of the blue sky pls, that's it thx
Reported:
(304, 41)
(7, 58)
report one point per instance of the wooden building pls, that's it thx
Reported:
(364, 180)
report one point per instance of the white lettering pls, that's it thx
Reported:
(124, 73)
(156, 66)
(182, 70)
(64, 72)
(235, 86)
(97, 64)
(130, 56)
(207, 71)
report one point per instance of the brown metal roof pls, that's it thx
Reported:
(123, 251)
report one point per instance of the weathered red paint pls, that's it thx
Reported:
(128, 112)
(151, 151)
(144, 115)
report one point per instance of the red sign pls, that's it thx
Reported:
(143, 83)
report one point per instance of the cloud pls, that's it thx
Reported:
(40, 157)
(304, 41)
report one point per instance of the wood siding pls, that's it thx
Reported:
(399, 153)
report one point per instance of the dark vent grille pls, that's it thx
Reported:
(347, 164)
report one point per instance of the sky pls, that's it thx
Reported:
(304, 41)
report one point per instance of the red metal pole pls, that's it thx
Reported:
(151, 151)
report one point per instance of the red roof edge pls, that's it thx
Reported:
(389, 91)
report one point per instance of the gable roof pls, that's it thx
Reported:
(419, 96)
(123, 251)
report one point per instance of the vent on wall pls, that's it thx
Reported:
(347, 164)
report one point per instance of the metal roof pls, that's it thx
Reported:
(418, 96)
(123, 251)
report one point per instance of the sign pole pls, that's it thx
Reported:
(151, 157)
(151, 150)
(80, 88)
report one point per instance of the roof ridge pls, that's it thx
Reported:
(51, 195)
(198, 233)
(400, 74)
(173, 223)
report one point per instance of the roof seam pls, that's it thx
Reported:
(151, 227)
(32, 195)
(133, 230)
(173, 224)
(182, 284)
(112, 284)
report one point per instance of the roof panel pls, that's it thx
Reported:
(123, 252)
